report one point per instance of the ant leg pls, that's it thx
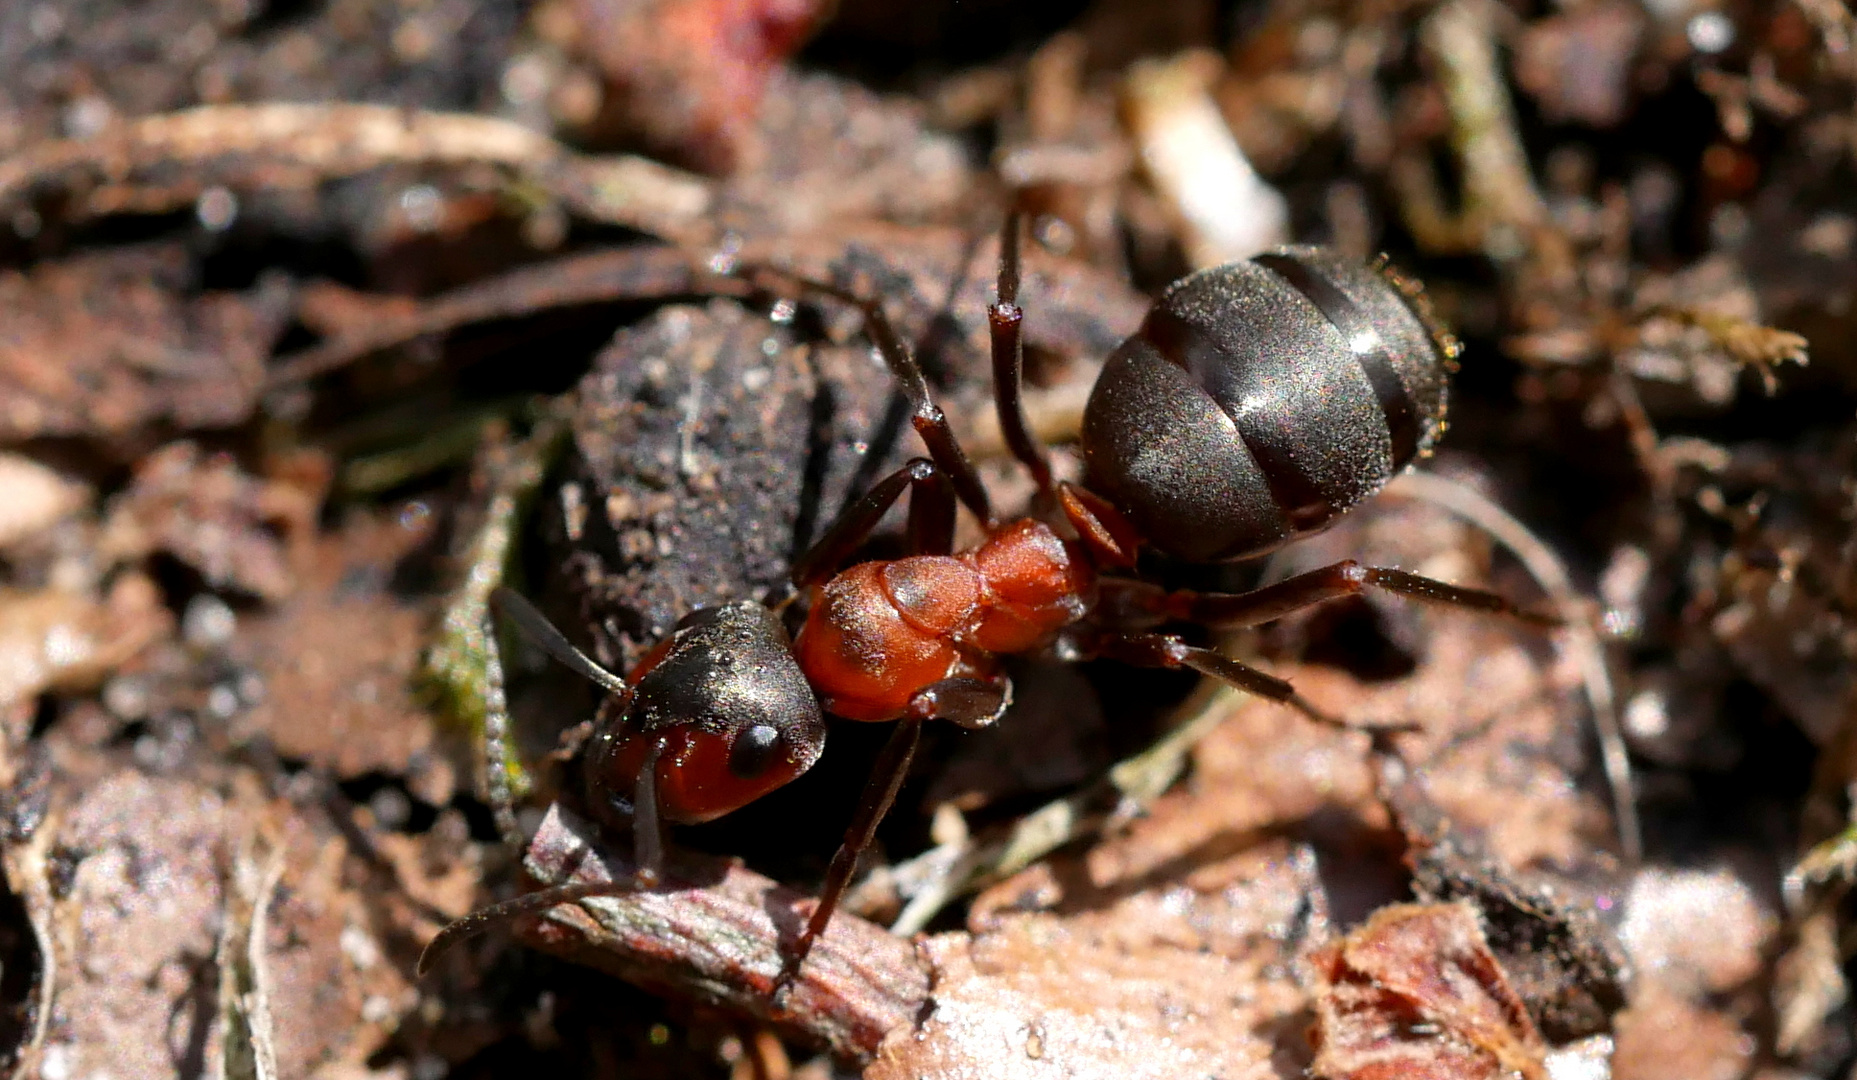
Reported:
(931, 520)
(925, 416)
(647, 830)
(1226, 611)
(970, 702)
(1005, 320)
(647, 826)
(973, 703)
(1168, 651)
(527, 904)
(886, 779)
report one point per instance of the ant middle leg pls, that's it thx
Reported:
(931, 521)
(969, 701)
(1168, 651)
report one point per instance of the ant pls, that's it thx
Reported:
(1258, 402)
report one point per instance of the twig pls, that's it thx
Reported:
(28, 874)
(1503, 213)
(1130, 786)
(248, 1042)
(456, 668)
(632, 273)
(1226, 210)
(25, 857)
(712, 932)
(129, 168)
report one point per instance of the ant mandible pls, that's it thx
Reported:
(1258, 402)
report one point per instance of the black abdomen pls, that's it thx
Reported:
(1262, 399)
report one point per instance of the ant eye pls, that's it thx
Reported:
(754, 750)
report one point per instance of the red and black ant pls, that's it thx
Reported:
(1258, 402)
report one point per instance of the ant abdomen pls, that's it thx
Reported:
(1262, 399)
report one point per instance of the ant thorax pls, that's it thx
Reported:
(881, 632)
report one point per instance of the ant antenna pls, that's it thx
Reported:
(536, 627)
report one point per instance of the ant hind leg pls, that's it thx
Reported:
(1230, 611)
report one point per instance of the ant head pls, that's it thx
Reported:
(723, 711)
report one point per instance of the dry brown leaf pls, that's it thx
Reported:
(341, 700)
(107, 343)
(1415, 994)
(1187, 975)
(205, 511)
(56, 639)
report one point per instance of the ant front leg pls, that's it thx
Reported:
(925, 416)
(970, 702)
(966, 701)
(1005, 325)
(648, 859)
(886, 779)
(647, 828)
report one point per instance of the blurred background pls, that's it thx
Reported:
(319, 317)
